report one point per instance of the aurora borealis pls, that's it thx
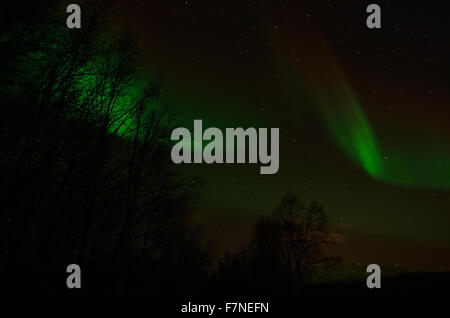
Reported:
(363, 114)
(349, 126)
(353, 132)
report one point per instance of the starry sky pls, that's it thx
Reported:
(363, 114)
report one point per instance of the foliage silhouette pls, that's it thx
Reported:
(287, 247)
(87, 179)
(84, 153)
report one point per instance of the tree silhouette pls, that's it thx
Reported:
(287, 247)
(85, 157)
(295, 237)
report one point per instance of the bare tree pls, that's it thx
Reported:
(294, 237)
(85, 156)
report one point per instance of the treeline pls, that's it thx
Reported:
(84, 158)
(87, 176)
(285, 252)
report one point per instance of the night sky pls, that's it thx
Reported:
(363, 114)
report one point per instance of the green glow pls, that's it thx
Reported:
(353, 133)
(403, 155)
(425, 164)
(121, 109)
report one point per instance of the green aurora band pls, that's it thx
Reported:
(348, 124)
(350, 128)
